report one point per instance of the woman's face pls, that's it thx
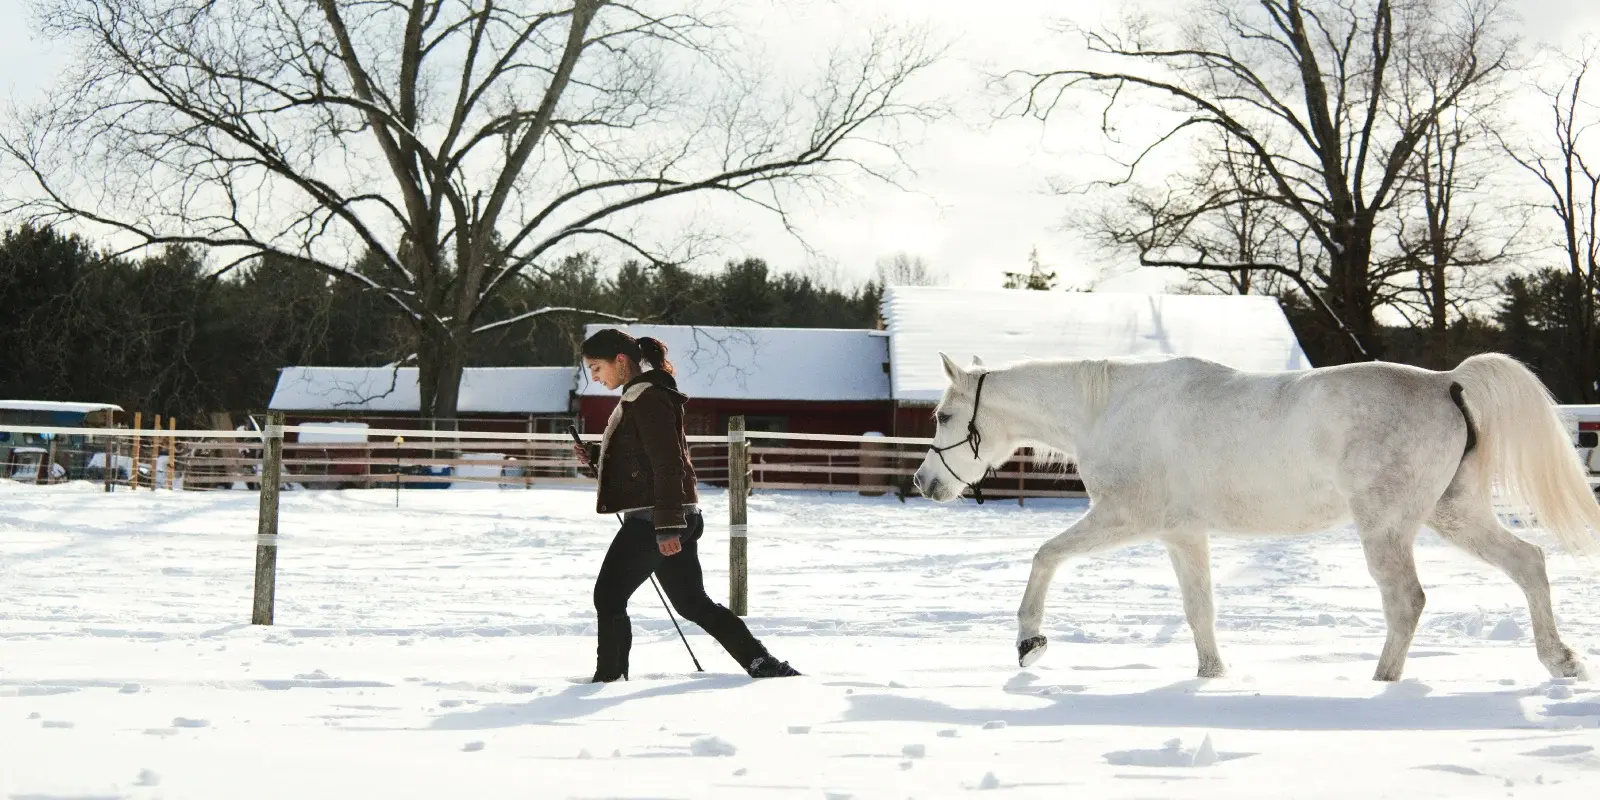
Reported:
(608, 372)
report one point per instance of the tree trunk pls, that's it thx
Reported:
(1350, 296)
(1588, 361)
(441, 359)
(1440, 323)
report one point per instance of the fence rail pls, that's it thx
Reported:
(265, 461)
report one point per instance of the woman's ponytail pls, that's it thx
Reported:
(655, 353)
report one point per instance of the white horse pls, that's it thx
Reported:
(1177, 448)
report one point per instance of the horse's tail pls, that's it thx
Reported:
(1522, 441)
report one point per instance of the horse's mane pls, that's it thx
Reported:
(1094, 384)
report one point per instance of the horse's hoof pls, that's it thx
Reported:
(1570, 667)
(1030, 650)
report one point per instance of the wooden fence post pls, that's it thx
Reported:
(110, 463)
(172, 452)
(738, 541)
(267, 522)
(44, 476)
(155, 456)
(133, 469)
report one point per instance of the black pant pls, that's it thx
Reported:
(630, 561)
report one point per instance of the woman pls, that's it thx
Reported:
(643, 467)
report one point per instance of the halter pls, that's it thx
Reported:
(973, 440)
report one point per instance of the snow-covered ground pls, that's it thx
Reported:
(437, 650)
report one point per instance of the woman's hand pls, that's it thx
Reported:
(671, 547)
(582, 453)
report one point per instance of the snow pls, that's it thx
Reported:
(484, 390)
(440, 648)
(1247, 332)
(797, 364)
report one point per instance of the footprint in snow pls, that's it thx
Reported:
(712, 746)
(185, 722)
(1174, 754)
(1453, 768)
(1572, 710)
(1561, 751)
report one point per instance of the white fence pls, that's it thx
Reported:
(267, 461)
(273, 458)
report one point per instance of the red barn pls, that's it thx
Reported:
(344, 402)
(792, 380)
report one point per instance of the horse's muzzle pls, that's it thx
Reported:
(931, 486)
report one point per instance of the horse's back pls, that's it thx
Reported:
(1236, 450)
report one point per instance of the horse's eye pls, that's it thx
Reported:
(944, 419)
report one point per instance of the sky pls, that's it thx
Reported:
(978, 201)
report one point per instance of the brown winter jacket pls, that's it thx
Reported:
(643, 457)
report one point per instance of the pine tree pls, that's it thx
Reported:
(1035, 278)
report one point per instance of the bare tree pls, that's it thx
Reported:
(1318, 96)
(905, 269)
(1449, 244)
(1567, 167)
(463, 142)
(1208, 221)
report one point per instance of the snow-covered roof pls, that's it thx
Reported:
(55, 405)
(813, 364)
(1003, 325)
(484, 390)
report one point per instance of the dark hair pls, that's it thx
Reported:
(610, 343)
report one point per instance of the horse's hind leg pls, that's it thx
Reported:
(1099, 529)
(1465, 518)
(1191, 560)
(1392, 563)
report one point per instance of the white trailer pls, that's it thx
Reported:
(1583, 423)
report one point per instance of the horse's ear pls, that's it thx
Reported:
(977, 362)
(951, 371)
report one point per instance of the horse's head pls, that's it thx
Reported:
(965, 442)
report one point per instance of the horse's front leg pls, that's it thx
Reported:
(1099, 529)
(1191, 560)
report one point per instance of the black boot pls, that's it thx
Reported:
(611, 654)
(766, 666)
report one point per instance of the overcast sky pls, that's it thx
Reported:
(978, 203)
